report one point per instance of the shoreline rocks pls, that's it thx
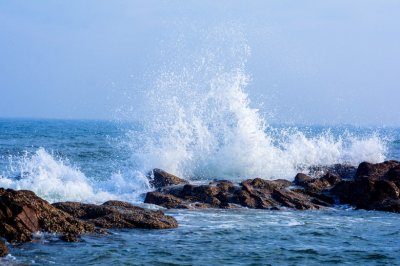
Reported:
(369, 187)
(22, 213)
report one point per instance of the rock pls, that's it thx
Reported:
(388, 205)
(316, 185)
(344, 171)
(295, 200)
(375, 187)
(375, 171)
(302, 179)
(259, 183)
(3, 249)
(23, 213)
(118, 214)
(394, 175)
(165, 200)
(251, 193)
(159, 178)
(70, 238)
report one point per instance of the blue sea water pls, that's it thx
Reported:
(94, 161)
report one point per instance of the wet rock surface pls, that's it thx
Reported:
(374, 187)
(369, 186)
(159, 178)
(22, 213)
(3, 249)
(252, 193)
(117, 214)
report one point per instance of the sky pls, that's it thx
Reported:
(311, 62)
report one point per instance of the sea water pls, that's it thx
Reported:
(90, 161)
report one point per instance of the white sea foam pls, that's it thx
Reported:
(55, 179)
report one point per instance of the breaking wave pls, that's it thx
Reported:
(199, 123)
(55, 179)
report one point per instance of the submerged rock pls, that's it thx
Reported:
(3, 249)
(117, 214)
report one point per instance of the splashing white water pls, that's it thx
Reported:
(199, 124)
(55, 179)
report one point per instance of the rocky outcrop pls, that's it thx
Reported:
(3, 249)
(159, 178)
(252, 193)
(370, 186)
(117, 214)
(22, 213)
(374, 187)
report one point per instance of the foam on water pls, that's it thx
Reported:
(199, 124)
(55, 179)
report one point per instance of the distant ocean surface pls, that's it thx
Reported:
(94, 161)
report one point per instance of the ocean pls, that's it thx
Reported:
(94, 161)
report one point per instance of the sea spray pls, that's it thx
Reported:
(56, 179)
(199, 123)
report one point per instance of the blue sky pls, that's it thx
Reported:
(312, 62)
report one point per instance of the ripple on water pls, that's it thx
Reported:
(235, 237)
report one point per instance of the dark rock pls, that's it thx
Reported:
(375, 187)
(343, 191)
(117, 214)
(394, 175)
(23, 213)
(375, 171)
(159, 178)
(166, 200)
(302, 179)
(295, 200)
(3, 249)
(251, 193)
(316, 185)
(70, 238)
(344, 171)
(388, 205)
(259, 183)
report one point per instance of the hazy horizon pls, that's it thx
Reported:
(311, 62)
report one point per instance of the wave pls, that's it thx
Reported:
(199, 123)
(55, 179)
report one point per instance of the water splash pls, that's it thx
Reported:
(56, 179)
(199, 123)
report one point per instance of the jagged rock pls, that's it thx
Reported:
(316, 185)
(117, 214)
(251, 193)
(370, 186)
(23, 213)
(375, 187)
(375, 171)
(159, 178)
(302, 179)
(3, 249)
